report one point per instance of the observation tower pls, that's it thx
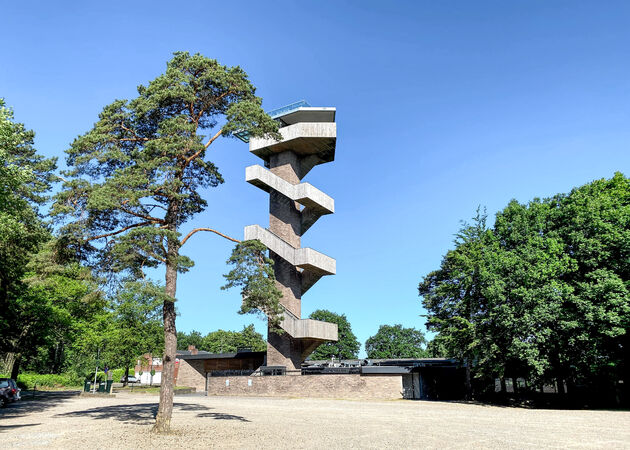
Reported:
(309, 136)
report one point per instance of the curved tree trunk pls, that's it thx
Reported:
(15, 370)
(165, 410)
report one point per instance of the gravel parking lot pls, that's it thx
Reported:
(62, 420)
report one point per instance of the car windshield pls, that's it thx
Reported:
(4, 383)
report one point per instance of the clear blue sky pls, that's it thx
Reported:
(441, 106)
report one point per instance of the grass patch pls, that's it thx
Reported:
(147, 389)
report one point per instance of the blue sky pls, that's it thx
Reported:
(441, 106)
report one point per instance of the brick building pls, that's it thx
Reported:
(244, 374)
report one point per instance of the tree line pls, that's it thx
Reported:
(542, 294)
(222, 341)
(389, 342)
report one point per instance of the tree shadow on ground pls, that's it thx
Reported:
(10, 427)
(33, 401)
(144, 413)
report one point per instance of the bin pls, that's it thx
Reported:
(86, 386)
(108, 387)
(101, 387)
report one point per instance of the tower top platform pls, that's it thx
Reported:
(297, 112)
(306, 130)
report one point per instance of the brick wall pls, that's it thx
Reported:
(316, 386)
(192, 374)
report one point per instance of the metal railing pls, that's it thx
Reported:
(230, 373)
(274, 113)
(330, 370)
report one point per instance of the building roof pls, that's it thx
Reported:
(402, 362)
(185, 354)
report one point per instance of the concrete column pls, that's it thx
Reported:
(285, 222)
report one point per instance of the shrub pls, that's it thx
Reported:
(117, 374)
(30, 380)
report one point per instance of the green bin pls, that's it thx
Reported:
(101, 387)
(86, 386)
(108, 387)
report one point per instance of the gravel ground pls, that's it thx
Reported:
(62, 420)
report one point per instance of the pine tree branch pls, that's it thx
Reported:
(136, 137)
(122, 230)
(213, 138)
(142, 216)
(207, 229)
(205, 147)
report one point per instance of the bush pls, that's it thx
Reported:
(117, 374)
(30, 380)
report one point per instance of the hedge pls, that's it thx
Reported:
(32, 380)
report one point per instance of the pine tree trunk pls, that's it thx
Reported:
(15, 370)
(9, 359)
(165, 410)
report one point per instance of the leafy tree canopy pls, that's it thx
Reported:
(347, 347)
(25, 177)
(394, 341)
(544, 293)
(222, 341)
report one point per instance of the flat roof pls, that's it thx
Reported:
(185, 354)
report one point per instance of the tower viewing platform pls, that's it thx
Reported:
(309, 136)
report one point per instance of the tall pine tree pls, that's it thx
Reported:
(136, 177)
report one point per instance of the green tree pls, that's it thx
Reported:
(523, 319)
(394, 341)
(65, 298)
(221, 341)
(454, 294)
(593, 222)
(135, 178)
(252, 271)
(554, 303)
(346, 347)
(25, 178)
(248, 337)
(437, 349)
(184, 340)
(136, 325)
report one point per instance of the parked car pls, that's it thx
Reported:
(130, 379)
(9, 392)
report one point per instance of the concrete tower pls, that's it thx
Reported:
(309, 138)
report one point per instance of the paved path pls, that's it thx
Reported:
(65, 421)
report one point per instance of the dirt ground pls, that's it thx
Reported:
(63, 420)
